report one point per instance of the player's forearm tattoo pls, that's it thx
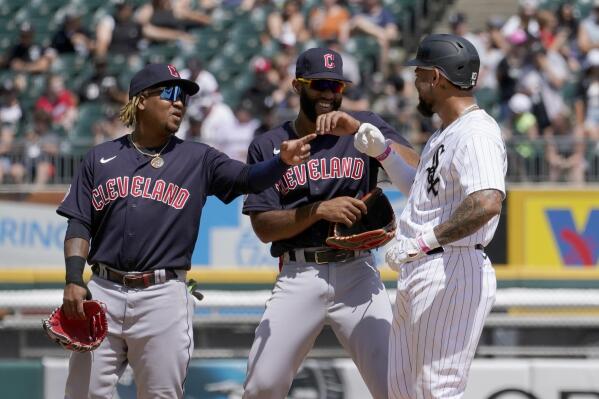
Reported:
(476, 210)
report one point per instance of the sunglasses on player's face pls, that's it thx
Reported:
(171, 93)
(323, 85)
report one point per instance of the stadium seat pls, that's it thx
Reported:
(269, 49)
(231, 95)
(89, 113)
(243, 81)
(366, 50)
(488, 99)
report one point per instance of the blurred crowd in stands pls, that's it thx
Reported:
(539, 77)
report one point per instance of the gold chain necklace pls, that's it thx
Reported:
(157, 161)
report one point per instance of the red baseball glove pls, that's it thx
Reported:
(78, 335)
(373, 230)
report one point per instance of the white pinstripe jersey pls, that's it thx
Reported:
(467, 156)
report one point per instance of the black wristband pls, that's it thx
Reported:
(266, 173)
(74, 270)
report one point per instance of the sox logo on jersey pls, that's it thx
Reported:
(442, 300)
(433, 181)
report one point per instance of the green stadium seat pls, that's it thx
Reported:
(160, 52)
(258, 17)
(89, 113)
(488, 99)
(69, 64)
(231, 96)
(242, 30)
(366, 50)
(269, 49)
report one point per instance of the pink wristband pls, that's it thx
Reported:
(422, 244)
(384, 155)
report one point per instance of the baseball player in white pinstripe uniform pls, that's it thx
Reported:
(446, 284)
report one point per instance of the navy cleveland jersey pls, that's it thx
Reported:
(143, 218)
(335, 169)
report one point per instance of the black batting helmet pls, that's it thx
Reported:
(455, 56)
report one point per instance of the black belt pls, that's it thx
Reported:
(321, 256)
(439, 250)
(133, 280)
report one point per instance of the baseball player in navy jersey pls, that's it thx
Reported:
(139, 199)
(317, 285)
(446, 285)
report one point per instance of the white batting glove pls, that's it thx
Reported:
(410, 249)
(370, 141)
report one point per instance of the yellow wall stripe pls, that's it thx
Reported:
(266, 275)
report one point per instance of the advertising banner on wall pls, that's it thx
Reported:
(553, 230)
(226, 237)
(32, 234)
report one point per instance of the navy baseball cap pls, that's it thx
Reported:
(320, 63)
(156, 74)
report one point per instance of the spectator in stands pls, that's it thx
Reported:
(218, 123)
(586, 103)
(103, 86)
(542, 80)
(27, 56)
(10, 109)
(118, 33)
(193, 17)
(458, 23)
(327, 19)
(261, 92)
(268, 121)
(495, 50)
(510, 70)
(567, 25)
(588, 31)
(160, 22)
(525, 20)
(10, 170)
(193, 129)
(59, 103)
(568, 20)
(245, 126)
(41, 149)
(288, 26)
(522, 133)
(374, 20)
(243, 5)
(110, 127)
(71, 37)
(194, 70)
(351, 68)
(392, 101)
(487, 83)
(565, 154)
(551, 36)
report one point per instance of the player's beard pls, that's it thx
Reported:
(308, 106)
(425, 108)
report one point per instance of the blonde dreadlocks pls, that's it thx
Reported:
(128, 111)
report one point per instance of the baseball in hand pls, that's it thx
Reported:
(369, 140)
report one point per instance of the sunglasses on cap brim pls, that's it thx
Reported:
(335, 86)
(171, 93)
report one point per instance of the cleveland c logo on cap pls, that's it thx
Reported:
(173, 71)
(328, 61)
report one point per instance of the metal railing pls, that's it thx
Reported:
(527, 163)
